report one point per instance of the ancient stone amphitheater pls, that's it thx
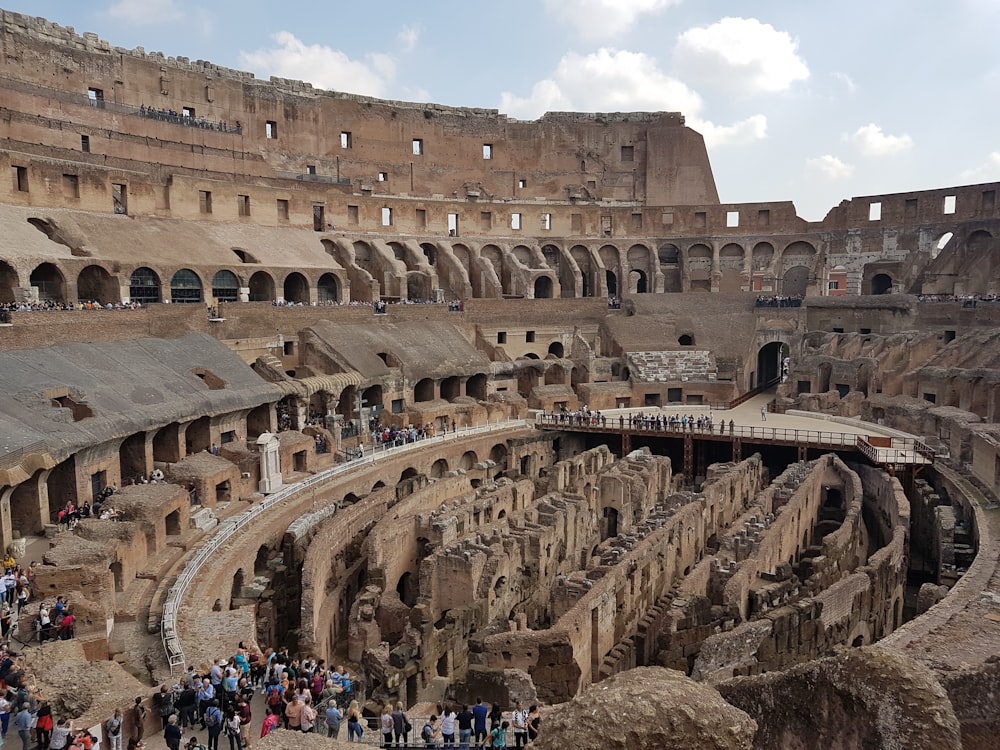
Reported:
(221, 248)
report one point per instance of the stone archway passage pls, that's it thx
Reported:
(881, 283)
(769, 363)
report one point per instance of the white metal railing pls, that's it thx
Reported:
(226, 530)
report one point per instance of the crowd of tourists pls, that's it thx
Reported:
(180, 118)
(778, 300)
(451, 725)
(966, 300)
(49, 305)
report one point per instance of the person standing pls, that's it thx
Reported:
(114, 727)
(333, 719)
(519, 722)
(464, 721)
(763, 414)
(43, 723)
(22, 723)
(60, 735)
(534, 722)
(479, 714)
(172, 733)
(139, 719)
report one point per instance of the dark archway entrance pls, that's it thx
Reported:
(8, 282)
(881, 283)
(50, 283)
(261, 287)
(296, 288)
(637, 278)
(795, 281)
(328, 288)
(543, 287)
(769, 363)
(94, 283)
(612, 281)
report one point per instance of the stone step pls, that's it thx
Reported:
(204, 519)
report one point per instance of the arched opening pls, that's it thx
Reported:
(475, 387)
(468, 460)
(407, 589)
(609, 523)
(166, 446)
(225, 286)
(259, 420)
(498, 455)
(543, 287)
(198, 435)
(296, 288)
(556, 350)
(8, 282)
(795, 282)
(769, 363)
(144, 286)
(423, 390)
(637, 281)
(881, 283)
(328, 288)
(185, 287)
(94, 283)
(612, 281)
(132, 456)
(237, 590)
(29, 506)
(439, 468)
(261, 287)
(685, 339)
(49, 282)
(371, 398)
(451, 388)
(260, 562)
(408, 473)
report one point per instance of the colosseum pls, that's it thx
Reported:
(481, 407)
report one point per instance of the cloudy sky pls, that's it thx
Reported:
(808, 102)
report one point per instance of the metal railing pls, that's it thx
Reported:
(169, 636)
(10, 459)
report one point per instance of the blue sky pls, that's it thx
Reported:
(808, 102)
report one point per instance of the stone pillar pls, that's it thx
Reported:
(244, 294)
(6, 532)
(270, 463)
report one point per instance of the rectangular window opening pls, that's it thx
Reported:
(522, 184)
(282, 205)
(243, 205)
(85, 144)
(421, 218)
(910, 208)
(547, 222)
(205, 201)
(119, 197)
(386, 216)
(501, 337)
(319, 217)
(187, 111)
(346, 141)
(453, 225)
(700, 219)
(270, 129)
(529, 337)
(352, 215)
(764, 217)
(636, 222)
(418, 146)
(486, 220)
(989, 199)
(71, 186)
(576, 223)
(515, 222)
(732, 219)
(96, 96)
(949, 204)
(383, 176)
(606, 226)
(21, 179)
(875, 211)
(310, 169)
(487, 150)
(628, 153)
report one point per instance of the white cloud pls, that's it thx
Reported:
(408, 37)
(603, 81)
(740, 54)
(746, 131)
(619, 81)
(873, 142)
(322, 66)
(829, 167)
(604, 19)
(987, 172)
(145, 12)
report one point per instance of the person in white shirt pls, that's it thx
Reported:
(519, 722)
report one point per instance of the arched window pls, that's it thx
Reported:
(185, 286)
(225, 286)
(144, 286)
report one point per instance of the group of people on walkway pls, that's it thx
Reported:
(461, 726)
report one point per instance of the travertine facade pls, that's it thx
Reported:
(491, 558)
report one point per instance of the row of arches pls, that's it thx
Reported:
(145, 285)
